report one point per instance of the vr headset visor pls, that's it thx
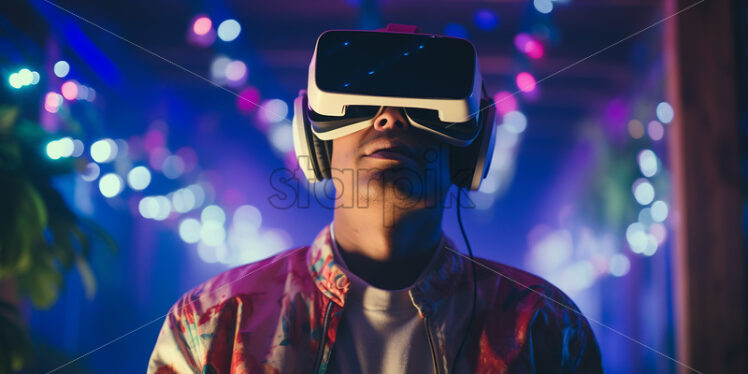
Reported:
(354, 74)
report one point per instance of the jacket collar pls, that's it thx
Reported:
(427, 296)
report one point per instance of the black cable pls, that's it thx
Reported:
(475, 282)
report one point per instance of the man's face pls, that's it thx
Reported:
(391, 161)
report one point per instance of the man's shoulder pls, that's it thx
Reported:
(259, 277)
(525, 308)
(515, 286)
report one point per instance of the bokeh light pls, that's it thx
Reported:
(636, 129)
(69, 90)
(505, 102)
(655, 130)
(104, 150)
(645, 217)
(644, 192)
(647, 162)
(52, 102)
(212, 233)
(207, 253)
(153, 139)
(110, 185)
(173, 167)
(236, 71)
(189, 230)
(213, 213)
(157, 157)
(543, 6)
(248, 100)
(78, 148)
(665, 112)
(23, 77)
(199, 193)
(247, 218)
(15, 80)
(60, 148)
(273, 110)
(155, 207)
(218, 68)
(61, 69)
(578, 276)
(164, 208)
(183, 200)
(139, 178)
(91, 173)
(636, 236)
(659, 232)
(619, 265)
(525, 82)
(659, 211)
(202, 25)
(281, 137)
(551, 250)
(529, 45)
(229, 30)
(534, 49)
(515, 122)
(651, 247)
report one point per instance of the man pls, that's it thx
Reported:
(381, 289)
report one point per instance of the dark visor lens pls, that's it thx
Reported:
(463, 131)
(396, 65)
(353, 114)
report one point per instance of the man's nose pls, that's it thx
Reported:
(390, 118)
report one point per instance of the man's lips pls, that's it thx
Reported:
(393, 151)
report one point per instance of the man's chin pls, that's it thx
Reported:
(392, 183)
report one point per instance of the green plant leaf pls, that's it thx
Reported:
(21, 225)
(41, 283)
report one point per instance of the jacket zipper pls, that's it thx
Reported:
(318, 359)
(431, 345)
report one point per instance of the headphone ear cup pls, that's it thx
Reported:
(469, 165)
(462, 164)
(305, 142)
(323, 153)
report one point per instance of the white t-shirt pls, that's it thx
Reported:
(380, 330)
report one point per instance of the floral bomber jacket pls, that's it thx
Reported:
(281, 315)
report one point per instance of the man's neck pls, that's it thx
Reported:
(388, 256)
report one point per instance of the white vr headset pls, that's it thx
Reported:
(354, 74)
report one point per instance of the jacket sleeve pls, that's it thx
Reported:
(561, 341)
(174, 350)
